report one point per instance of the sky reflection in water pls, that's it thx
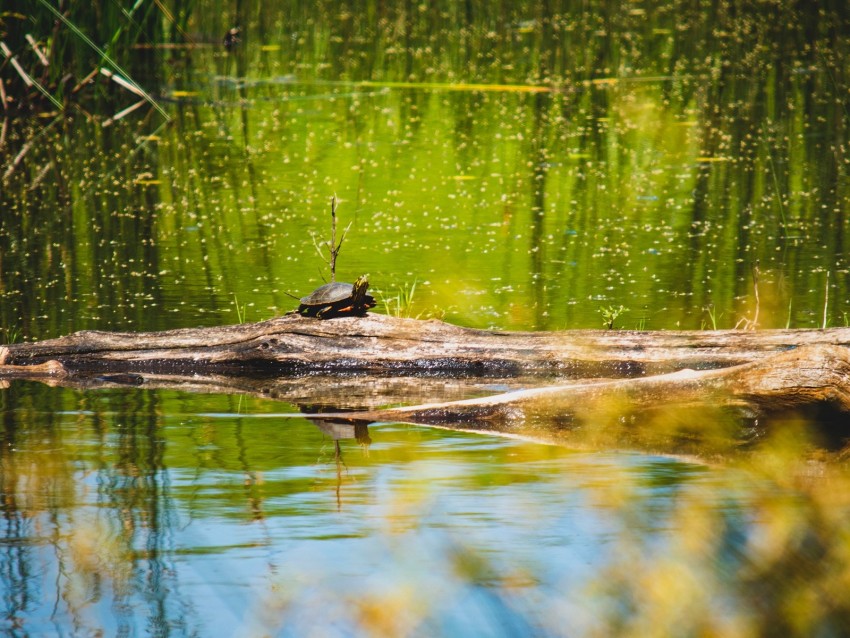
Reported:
(230, 523)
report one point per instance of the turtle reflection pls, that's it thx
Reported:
(338, 428)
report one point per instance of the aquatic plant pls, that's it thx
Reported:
(331, 245)
(401, 303)
(11, 335)
(241, 310)
(745, 322)
(711, 311)
(610, 314)
(60, 52)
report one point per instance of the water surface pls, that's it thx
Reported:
(144, 512)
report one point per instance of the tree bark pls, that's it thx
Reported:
(709, 414)
(785, 382)
(382, 345)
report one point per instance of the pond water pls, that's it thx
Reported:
(135, 512)
(491, 175)
(523, 165)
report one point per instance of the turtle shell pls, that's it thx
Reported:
(337, 299)
(328, 294)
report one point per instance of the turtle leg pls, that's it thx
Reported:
(322, 312)
(357, 310)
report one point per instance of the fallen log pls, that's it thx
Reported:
(390, 346)
(756, 372)
(688, 412)
(360, 364)
(806, 376)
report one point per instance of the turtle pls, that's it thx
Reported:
(338, 299)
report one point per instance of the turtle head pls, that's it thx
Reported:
(361, 284)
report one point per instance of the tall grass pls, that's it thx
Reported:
(58, 50)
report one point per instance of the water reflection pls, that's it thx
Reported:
(122, 506)
(128, 511)
(338, 429)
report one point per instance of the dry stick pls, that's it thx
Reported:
(24, 75)
(122, 82)
(11, 169)
(332, 246)
(121, 114)
(84, 81)
(25, 149)
(40, 177)
(42, 58)
(27, 78)
(5, 106)
(334, 250)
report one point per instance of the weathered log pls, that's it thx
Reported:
(699, 414)
(781, 379)
(378, 344)
(325, 393)
(807, 376)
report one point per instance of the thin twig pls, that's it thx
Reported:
(14, 163)
(24, 75)
(25, 149)
(826, 300)
(126, 111)
(755, 269)
(122, 82)
(28, 80)
(40, 177)
(42, 58)
(84, 81)
(334, 248)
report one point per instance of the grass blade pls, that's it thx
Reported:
(104, 56)
(28, 80)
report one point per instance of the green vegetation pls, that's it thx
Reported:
(332, 246)
(648, 170)
(59, 53)
(711, 311)
(400, 304)
(241, 310)
(610, 314)
(10, 335)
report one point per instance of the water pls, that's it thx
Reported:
(514, 183)
(507, 165)
(134, 513)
